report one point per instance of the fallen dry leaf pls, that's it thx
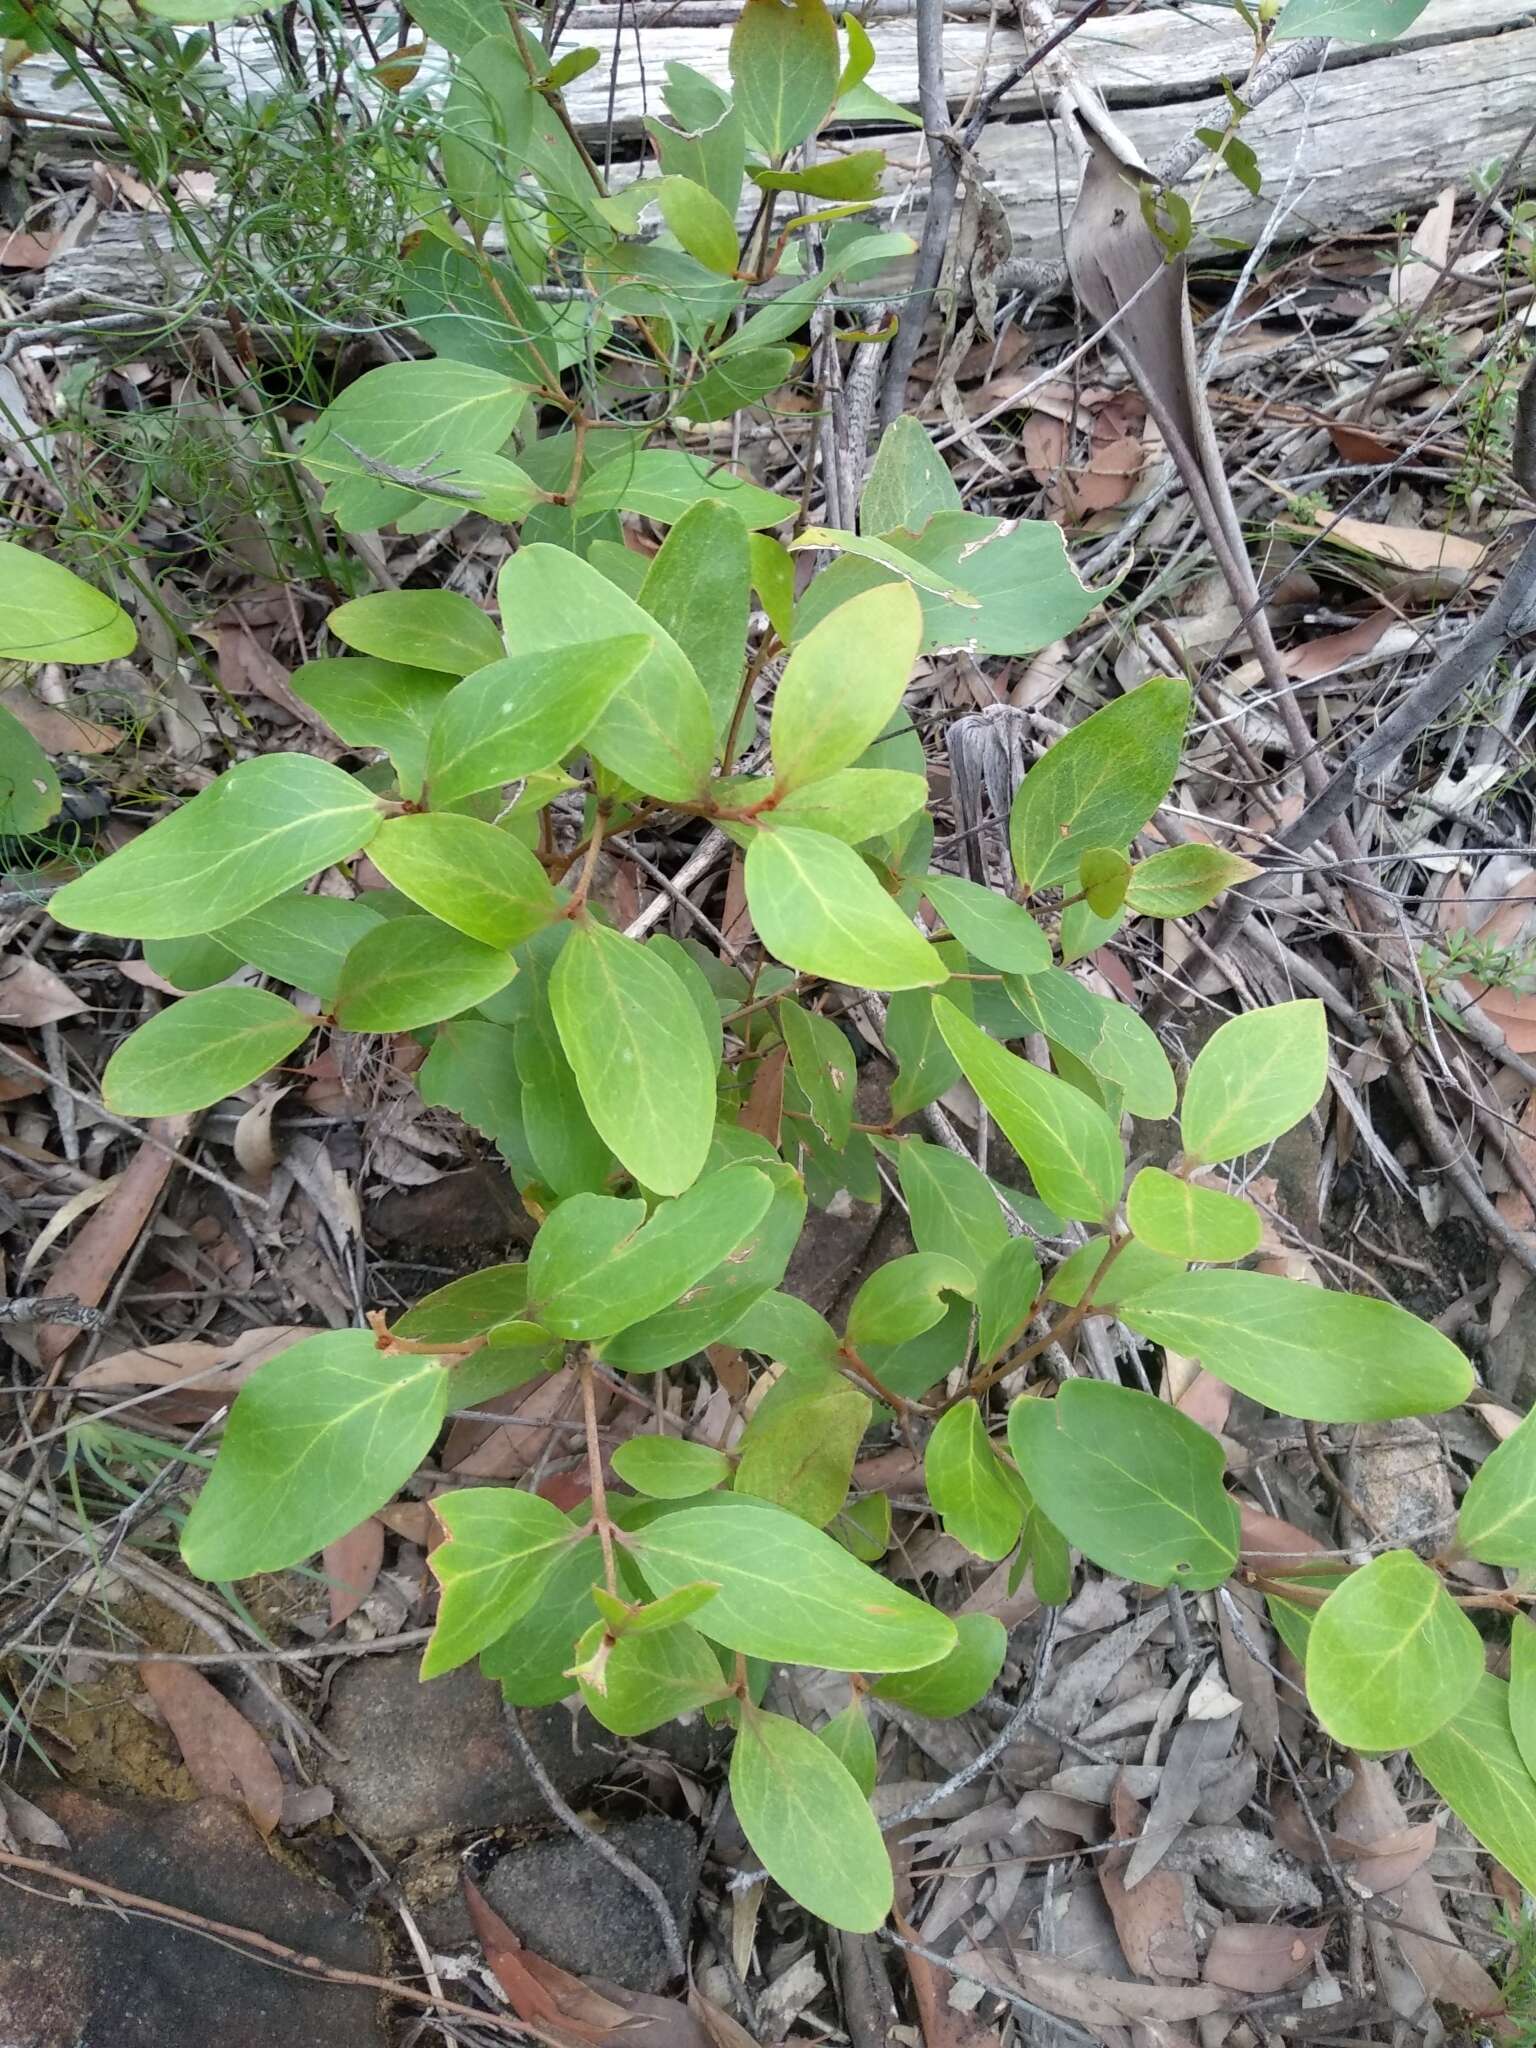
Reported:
(180, 1363)
(222, 1750)
(723, 2031)
(1261, 1959)
(1150, 1917)
(351, 1566)
(56, 731)
(106, 1239)
(1368, 1812)
(1421, 550)
(21, 251)
(32, 995)
(943, 2026)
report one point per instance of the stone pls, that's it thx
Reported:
(73, 1977)
(420, 1759)
(566, 1904)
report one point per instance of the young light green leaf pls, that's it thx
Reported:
(1070, 1146)
(465, 1308)
(412, 971)
(801, 1810)
(905, 1296)
(487, 116)
(851, 1740)
(842, 682)
(1102, 874)
(524, 713)
(48, 614)
(1006, 1293)
(430, 417)
(1099, 784)
(637, 1048)
(789, 1332)
(787, 1592)
(597, 1265)
(1171, 1214)
(957, 1682)
(966, 1482)
(1256, 1077)
(29, 788)
(665, 483)
(908, 482)
(669, 1468)
(1497, 1522)
(715, 1303)
(1391, 1657)
(471, 875)
(425, 629)
(200, 1050)
(818, 908)
(784, 68)
(990, 927)
(800, 1443)
(702, 224)
(501, 1547)
(855, 804)
(1302, 1351)
(1136, 1268)
(657, 732)
(824, 1066)
(373, 703)
(1348, 21)
(855, 176)
(1522, 1689)
(532, 1661)
(1184, 879)
(634, 1683)
(1129, 1481)
(317, 1439)
(952, 1207)
(1112, 1040)
(1474, 1763)
(260, 828)
(698, 589)
(643, 1617)
(301, 939)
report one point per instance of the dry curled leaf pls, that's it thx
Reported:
(222, 1750)
(32, 995)
(106, 1239)
(351, 1566)
(1259, 1960)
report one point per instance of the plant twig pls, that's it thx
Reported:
(58, 1308)
(642, 1880)
(943, 184)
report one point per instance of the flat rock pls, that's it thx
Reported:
(420, 1759)
(71, 1977)
(565, 1903)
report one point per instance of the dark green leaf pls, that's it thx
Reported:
(957, 1682)
(976, 1501)
(412, 971)
(1098, 784)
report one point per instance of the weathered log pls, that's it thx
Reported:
(1381, 131)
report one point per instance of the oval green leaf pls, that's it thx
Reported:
(807, 1817)
(412, 971)
(818, 908)
(991, 928)
(1098, 784)
(253, 833)
(317, 1440)
(1130, 1482)
(637, 1682)
(474, 877)
(200, 1050)
(668, 1468)
(1497, 1522)
(373, 703)
(788, 1592)
(957, 1682)
(1170, 1214)
(1257, 1076)
(784, 65)
(637, 1048)
(1391, 1657)
(842, 683)
(1302, 1351)
(1072, 1149)
(1475, 1765)
(48, 614)
(976, 1500)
